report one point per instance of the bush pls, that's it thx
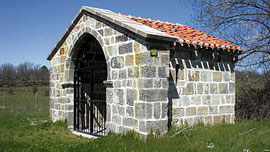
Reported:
(34, 89)
(46, 93)
(10, 91)
(254, 103)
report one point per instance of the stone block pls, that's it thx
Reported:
(101, 32)
(206, 100)
(129, 83)
(117, 119)
(217, 76)
(112, 40)
(145, 83)
(226, 76)
(199, 88)
(202, 110)
(137, 47)
(123, 74)
(196, 100)
(198, 119)
(191, 111)
(109, 113)
(98, 25)
(172, 75)
(129, 60)
(119, 96)
(112, 50)
(181, 75)
(233, 77)
(117, 84)
(121, 38)
(189, 90)
(164, 110)
(148, 110)
(114, 109)
(108, 32)
(222, 99)
(157, 110)
(226, 109)
(165, 83)
(143, 58)
(153, 95)
(178, 112)
(231, 87)
(117, 62)
(206, 76)
(142, 126)
(216, 100)
(233, 99)
(133, 72)
(109, 95)
(208, 120)
(160, 126)
(125, 48)
(110, 127)
(164, 58)
(70, 118)
(131, 96)
(213, 109)
(163, 72)
(197, 76)
(223, 88)
(68, 107)
(148, 71)
(185, 100)
(218, 119)
(140, 110)
(130, 111)
(130, 122)
(213, 88)
(107, 41)
(157, 83)
(189, 121)
(121, 110)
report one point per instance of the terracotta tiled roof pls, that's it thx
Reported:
(186, 34)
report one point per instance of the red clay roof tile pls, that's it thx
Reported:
(186, 34)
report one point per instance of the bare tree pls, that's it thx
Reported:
(44, 75)
(8, 74)
(243, 22)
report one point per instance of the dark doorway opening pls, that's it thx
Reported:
(89, 90)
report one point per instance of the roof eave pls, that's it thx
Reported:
(128, 24)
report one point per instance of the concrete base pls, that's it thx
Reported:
(84, 135)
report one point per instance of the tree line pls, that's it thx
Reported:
(25, 74)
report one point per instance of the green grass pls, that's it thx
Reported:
(16, 133)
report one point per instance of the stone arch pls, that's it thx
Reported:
(69, 65)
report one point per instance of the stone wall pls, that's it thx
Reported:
(201, 90)
(137, 99)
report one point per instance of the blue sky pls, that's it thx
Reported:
(29, 29)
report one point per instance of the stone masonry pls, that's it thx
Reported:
(182, 85)
(201, 90)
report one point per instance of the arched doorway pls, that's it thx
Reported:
(89, 91)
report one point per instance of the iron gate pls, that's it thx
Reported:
(90, 92)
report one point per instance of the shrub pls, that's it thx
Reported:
(254, 103)
(34, 89)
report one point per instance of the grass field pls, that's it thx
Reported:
(17, 133)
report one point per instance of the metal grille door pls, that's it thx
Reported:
(90, 92)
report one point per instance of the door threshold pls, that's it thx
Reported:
(84, 135)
